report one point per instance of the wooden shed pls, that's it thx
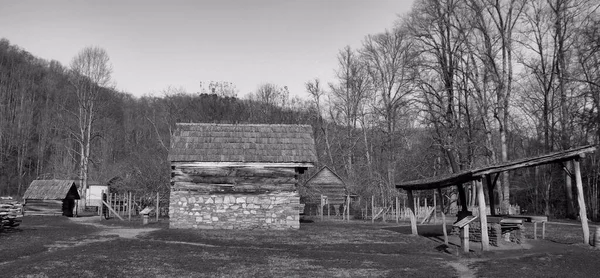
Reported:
(328, 184)
(231, 176)
(51, 197)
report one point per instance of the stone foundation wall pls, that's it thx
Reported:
(193, 210)
(496, 234)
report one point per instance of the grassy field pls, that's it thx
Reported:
(85, 247)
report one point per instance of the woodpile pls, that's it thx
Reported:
(10, 211)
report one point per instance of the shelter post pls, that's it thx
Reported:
(485, 240)
(491, 186)
(464, 211)
(413, 220)
(439, 190)
(157, 205)
(581, 201)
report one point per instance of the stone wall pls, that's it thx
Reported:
(193, 210)
(496, 234)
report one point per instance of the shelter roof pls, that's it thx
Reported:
(478, 173)
(51, 190)
(197, 142)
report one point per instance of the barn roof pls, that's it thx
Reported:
(51, 190)
(196, 142)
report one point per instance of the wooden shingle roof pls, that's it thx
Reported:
(194, 142)
(51, 190)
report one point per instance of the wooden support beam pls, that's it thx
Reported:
(463, 197)
(413, 220)
(581, 201)
(439, 190)
(491, 185)
(485, 240)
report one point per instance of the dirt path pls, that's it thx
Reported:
(128, 233)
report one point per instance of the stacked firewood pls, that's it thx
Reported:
(10, 211)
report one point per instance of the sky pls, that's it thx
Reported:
(154, 45)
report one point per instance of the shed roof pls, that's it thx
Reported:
(51, 190)
(328, 183)
(321, 172)
(197, 142)
(478, 173)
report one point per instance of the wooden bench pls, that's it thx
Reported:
(535, 219)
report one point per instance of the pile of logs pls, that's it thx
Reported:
(9, 212)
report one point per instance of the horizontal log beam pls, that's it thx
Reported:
(235, 171)
(233, 188)
(178, 176)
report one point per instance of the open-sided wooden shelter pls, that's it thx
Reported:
(231, 176)
(490, 174)
(51, 197)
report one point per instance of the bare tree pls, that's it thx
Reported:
(390, 58)
(495, 22)
(349, 97)
(90, 70)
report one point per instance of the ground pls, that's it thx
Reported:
(88, 247)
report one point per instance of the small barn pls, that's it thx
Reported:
(327, 184)
(51, 197)
(238, 176)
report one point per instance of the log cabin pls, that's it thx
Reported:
(51, 197)
(238, 176)
(328, 184)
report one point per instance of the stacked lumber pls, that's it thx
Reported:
(9, 212)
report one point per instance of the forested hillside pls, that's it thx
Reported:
(452, 85)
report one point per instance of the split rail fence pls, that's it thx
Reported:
(128, 204)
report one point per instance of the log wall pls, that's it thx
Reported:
(211, 180)
(233, 197)
(43, 207)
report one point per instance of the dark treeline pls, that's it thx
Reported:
(452, 85)
(130, 136)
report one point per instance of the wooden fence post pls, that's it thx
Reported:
(110, 198)
(157, 205)
(348, 208)
(321, 208)
(434, 208)
(397, 209)
(129, 206)
(372, 208)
